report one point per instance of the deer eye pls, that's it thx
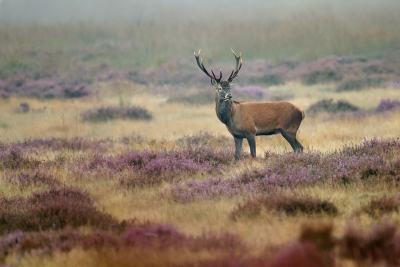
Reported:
(219, 88)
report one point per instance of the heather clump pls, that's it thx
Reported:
(205, 139)
(323, 70)
(393, 84)
(379, 206)
(27, 179)
(380, 244)
(321, 76)
(75, 143)
(385, 148)
(330, 106)
(257, 93)
(364, 162)
(23, 107)
(12, 157)
(314, 247)
(25, 86)
(290, 205)
(103, 114)
(151, 237)
(53, 209)
(302, 254)
(355, 84)
(144, 168)
(212, 188)
(388, 105)
(251, 92)
(197, 157)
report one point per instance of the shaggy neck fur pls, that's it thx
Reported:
(223, 109)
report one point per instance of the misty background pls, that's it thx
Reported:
(131, 33)
(128, 11)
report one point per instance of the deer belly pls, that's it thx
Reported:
(266, 131)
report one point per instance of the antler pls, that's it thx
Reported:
(201, 66)
(236, 70)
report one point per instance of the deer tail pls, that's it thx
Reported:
(303, 114)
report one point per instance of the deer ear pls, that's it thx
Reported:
(214, 82)
(232, 81)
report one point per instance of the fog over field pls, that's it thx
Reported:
(105, 11)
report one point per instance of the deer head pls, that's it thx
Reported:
(223, 88)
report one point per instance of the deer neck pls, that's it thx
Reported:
(224, 110)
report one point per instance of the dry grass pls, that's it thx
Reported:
(173, 121)
(307, 34)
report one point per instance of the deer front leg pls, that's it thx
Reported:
(238, 147)
(252, 143)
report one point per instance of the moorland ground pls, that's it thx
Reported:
(164, 188)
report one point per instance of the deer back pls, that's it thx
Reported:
(266, 117)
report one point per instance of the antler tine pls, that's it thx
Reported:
(237, 58)
(236, 70)
(201, 66)
(220, 75)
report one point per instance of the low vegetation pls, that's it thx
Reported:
(111, 153)
(291, 206)
(112, 113)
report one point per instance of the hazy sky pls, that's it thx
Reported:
(106, 11)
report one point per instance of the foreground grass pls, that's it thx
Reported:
(171, 122)
(204, 216)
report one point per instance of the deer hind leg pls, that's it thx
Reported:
(291, 138)
(252, 143)
(238, 147)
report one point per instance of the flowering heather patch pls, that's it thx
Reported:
(112, 113)
(205, 139)
(323, 70)
(197, 158)
(3, 93)
(12, 157)
(290, 205)
(314, 248)
(317, 247)
(55, 144)
(381, 244)
(388, 105)
(152, 167)
(367, 161)
(255, 93)
(26, 179)
(53, 209)
(153, 237)
(393, 84)
(379, 206)
(351, 84)
(328, 105)
(45, 88)
(251, 92)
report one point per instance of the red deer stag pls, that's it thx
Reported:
(247, 120)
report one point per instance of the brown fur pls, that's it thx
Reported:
(247, 120)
